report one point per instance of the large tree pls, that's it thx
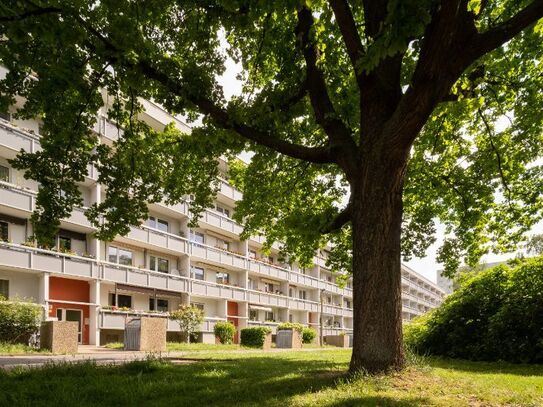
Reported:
(417, 110)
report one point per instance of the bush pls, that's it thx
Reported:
(308, 335)
(225, 331)
(18, 320)
(254, 337)
(291, 325)
(495, 315)
(189, 319)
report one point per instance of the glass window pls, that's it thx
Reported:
(122, 300)
(4, 231)
(197, 237)
(198, 273)
(157, 223)
(253, 315)
(4, 173)
(250, 284)
(118, 255)
(223, 211)
(290, 292)
(4, 288)
(197, 305)
(159, 264)
(302, 294)
(223, 278)
(269, 316)
(161, 305)
(252, 254)
(223, 244)
(64, 243)
(112, 254)
(268, 287)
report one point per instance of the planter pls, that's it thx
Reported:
(288, 338)
(341, 341)
(146, 334)
(59, 336)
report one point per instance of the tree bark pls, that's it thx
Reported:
(376, 225)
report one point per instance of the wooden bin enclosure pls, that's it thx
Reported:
(341, 341)
(288, 338)
(59, 336)
(146, 334)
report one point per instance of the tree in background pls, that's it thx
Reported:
(535, 245)
(417, 110)
(189, 319)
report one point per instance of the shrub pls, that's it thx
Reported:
(18, 320)
(254, 337)
(308, 335)
(291, 325)
(189, 319)
(495, 315)
(225, 331)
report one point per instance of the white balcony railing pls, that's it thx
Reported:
(158, 238)
(218, 256)
(221, 222)
(303, 305)
(264, 324)
(17, 139)
(210, 289)
(117, 320)
(306, 280)
(270, 270)
(264, 298)
(229, 191)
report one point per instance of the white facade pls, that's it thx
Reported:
(162, 264)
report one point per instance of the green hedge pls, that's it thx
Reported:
(291, 325)
(225, 331)
(308, 335)
(18, 320)
(254, 337)
(495, 315)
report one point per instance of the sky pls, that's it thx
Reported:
(427, 266)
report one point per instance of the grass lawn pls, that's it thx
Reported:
(273, 379)
(187, 347)
(18, 348)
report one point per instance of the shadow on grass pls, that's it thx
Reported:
(468, 366)
(379, 401)
(262, 381)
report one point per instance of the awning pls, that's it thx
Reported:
(258, 307)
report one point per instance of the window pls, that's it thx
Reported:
(347, 304)
(252, 254)
(269, 316)
(253, 315)
(290, 318)
(159, 264)
(223, 278)
(123, 301)
(157, 223)
(197, 237)
(268, 287)
(198, 273)
(4, 288)
(161, 305)
(197, 305)
(4, 173)
(120, 256)
(64, 243)
(4, 231)
(223, 244)
(302, 294)
(290, 292)
(223, 211)
(250, 284)
(5, 116)
(329, 300)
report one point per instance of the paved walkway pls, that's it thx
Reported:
(105, 356)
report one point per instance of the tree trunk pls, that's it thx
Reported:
(376, 223)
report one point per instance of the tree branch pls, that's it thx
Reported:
(500, 34)
(30, 13)
(341, 219)
(349, 32)
(325, 114)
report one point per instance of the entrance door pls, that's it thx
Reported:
(64, 314)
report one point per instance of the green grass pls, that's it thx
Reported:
(177, 346)
(273, 379)
(17, 349)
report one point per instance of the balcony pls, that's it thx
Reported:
(158, 239)
(29, 258)
(218, 256)
(107, 129)
(143, 278)
(264, 324)
(328, 330)
(220, 222)
(267, 269)
(209, 289)
(335, 310)
(259, 297)
(229, 191)
(17, 139)
(304, 279)
(303, 305)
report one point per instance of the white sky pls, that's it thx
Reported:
(427, 266)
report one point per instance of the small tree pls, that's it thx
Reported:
(18, 320)
(225, 331)
(189, 319)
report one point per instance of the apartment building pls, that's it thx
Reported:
(163, 263)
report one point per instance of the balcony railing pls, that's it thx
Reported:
(260, 297)
(158, 238)
(210, 289)
(16, 139)
(303, 305)
(220, 221)
(218, 256)
(229, 191)
(304, 279)
(270, 270)
(264, 324)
